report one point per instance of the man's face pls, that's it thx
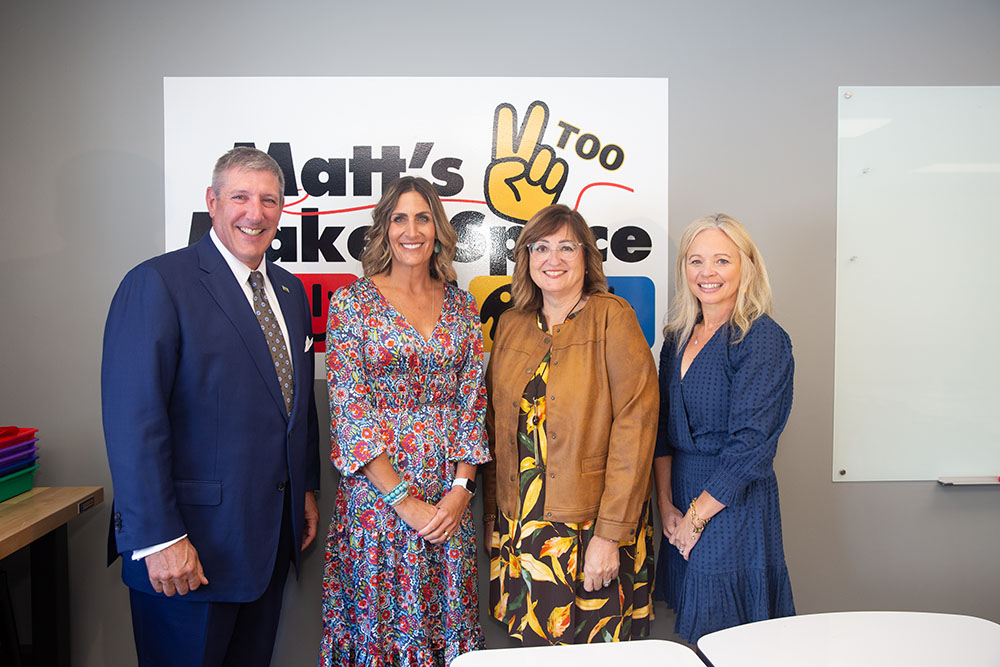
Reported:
(245, 213)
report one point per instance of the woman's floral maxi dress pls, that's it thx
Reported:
(390, 597)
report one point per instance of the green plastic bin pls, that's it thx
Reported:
(17, 483)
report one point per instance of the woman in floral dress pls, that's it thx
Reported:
(572, 396)
(407, 400)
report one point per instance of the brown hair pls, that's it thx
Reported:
(377, 255)
(525, 293)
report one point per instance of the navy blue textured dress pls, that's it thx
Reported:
(721, 425)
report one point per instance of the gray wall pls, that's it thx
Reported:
(752, 132)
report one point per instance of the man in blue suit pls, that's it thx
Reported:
(211, 430)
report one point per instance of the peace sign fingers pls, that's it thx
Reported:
(524, 175)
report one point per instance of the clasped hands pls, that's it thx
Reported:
(435, 523)
(679, 530)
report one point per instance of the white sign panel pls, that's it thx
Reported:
(340, 141)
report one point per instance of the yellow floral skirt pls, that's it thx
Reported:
(536, 568)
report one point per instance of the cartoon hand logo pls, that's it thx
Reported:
(525, 174)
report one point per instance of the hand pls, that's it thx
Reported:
(312, 520)
(175, 569)
(448, 516)
(525, 175)
(600, 564)
(684, 538)
(670, 516)
(488, 537)
(415, 512)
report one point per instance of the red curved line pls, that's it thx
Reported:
(341, 210)
(362, 208)
(294, 203)
(587, 187)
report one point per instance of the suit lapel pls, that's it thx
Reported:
(221, 284)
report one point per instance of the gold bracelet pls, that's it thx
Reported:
(697, 523)
(489, 517)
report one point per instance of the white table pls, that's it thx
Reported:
(857, 639)
(643, 652)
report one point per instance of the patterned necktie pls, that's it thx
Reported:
(275, 341)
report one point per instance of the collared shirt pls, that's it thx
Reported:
(242, 273)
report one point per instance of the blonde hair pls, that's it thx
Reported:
(377, 255)
(525, 294)
(753, 298)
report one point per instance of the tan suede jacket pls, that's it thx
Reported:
(601, 415)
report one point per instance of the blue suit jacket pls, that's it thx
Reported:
(198, 438)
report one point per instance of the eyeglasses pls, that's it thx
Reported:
(566, 250)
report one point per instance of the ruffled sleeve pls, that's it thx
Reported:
(760, 368)
(467, 442)
(355, 432)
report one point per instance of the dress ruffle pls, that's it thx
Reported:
(346, 651)
(394, 594)
(706, 603)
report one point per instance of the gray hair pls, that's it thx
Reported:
(248, 159)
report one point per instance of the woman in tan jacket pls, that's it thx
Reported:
(572, 426)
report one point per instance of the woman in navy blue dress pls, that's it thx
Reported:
(725, 394)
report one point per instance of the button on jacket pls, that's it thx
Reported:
(601, 415)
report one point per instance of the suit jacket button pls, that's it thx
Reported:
(281, 486)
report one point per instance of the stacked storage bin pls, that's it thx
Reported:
(18, 456)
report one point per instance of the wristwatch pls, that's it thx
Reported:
(466, 483)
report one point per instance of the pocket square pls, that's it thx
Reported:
(309, 343)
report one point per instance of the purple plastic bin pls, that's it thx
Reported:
(18, 453)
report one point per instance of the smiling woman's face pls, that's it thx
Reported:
(411, 230)
(554, 273)
(712, 266)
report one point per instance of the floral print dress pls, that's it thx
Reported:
(390, 597)
(536, 568)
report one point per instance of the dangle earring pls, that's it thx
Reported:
(437, 247)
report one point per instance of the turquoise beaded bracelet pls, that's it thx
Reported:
(397, 494)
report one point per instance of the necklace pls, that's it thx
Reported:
(549, 326)
(708, 332)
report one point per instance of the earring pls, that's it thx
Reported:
(437, 247)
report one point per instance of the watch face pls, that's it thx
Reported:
(467, 484)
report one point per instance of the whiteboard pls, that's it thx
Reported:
(917, 368)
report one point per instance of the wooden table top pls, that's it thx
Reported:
(26, 517)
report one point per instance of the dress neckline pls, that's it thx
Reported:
(399, 316)
(680, 370)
